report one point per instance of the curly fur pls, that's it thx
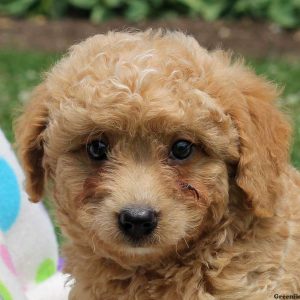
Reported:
(229, 224)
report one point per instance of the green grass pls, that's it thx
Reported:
(21, 71)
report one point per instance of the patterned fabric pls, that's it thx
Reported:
(28, 246)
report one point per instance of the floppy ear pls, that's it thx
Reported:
(264, 143)
(29, 128)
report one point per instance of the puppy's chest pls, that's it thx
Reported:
(170, 283)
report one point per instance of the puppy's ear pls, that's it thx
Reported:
(264, 143)
(29, 129)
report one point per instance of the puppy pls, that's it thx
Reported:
(169, 171)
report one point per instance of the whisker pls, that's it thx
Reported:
(186, 243)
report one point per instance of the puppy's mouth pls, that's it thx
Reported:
(141, 242)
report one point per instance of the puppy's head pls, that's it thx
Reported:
(142, 137)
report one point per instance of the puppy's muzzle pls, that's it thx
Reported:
(137, 223)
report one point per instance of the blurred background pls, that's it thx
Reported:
(35, 33)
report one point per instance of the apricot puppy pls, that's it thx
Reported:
(169, 171)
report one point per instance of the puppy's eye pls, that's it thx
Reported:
(97, 150)
(181, 150)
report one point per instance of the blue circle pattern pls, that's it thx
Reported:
(10, 196)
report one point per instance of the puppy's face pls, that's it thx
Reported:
(139, 171)
(136, 136)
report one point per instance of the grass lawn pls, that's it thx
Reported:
(20, 71)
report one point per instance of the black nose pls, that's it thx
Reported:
(137, 222)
